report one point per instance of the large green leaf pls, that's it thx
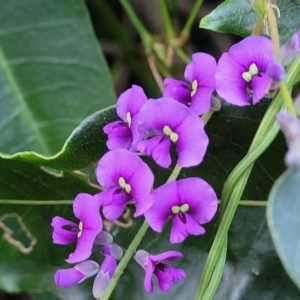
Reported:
(30, 264)
(284, 221)
(239, 18)
(52, 73)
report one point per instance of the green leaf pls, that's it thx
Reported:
(28, 257)
(85, 146)
(52, 73)
(239, 18)
(284, 221)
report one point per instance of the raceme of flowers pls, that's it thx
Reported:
(169, 130)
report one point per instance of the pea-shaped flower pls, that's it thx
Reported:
(241, 72)
(128, 105)
(156, 265)
(164, 122)
(86, 209)
(188, 202)
(125, 177)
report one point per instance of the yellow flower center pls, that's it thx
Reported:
(194, 87)
(128, 118)
(253, 70)
(173, 135)
(80, 226)
(124, 185)
(183, 208)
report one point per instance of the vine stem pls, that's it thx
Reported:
(185, 32)
(170, 32)
(259, 26)
(138, 25)
(273, 30)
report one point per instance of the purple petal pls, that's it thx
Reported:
(200, 197)
(65, 278)
(114, 202)
(142, 258)
(177, 90)
(248, 51)
(164, 198)
(154, 115)
(109, 266)
(86, 209)
(148, 284)
(202, 68)
(178, 231)
(112, 250)
(130, 101)
(119, 135)
(177, 274)
(230, 84)
(192, 142)
(115, 164)
(101, 284)
(164, 280)
(88, 268)
(158, 148)
(84, 246)
(62, 236)
(103, 238)
(276, 71)
(201, 101)
(192, 227)
(168, 255)
(260, 86)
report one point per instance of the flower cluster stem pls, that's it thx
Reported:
(234, 187)
(257, 30)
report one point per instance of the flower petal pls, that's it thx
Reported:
(260, 86)
(192, 142)
(192, 227)
(168, 255)
(86, 209)
(202, 68)
(201, 101)
(178, 231)
(101, 284)
(119, 135)
(177, 274)
(200, 197)
(164, 280)
(164, 198)
(148, 284)
(177, 90)
(130, 101)
(230, 84)
(62, 236)
(65, 278)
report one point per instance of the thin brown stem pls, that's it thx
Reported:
(155, 73)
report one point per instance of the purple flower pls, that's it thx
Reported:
(276, 72)
(189, 202)
(153, 264)
(241, 73)
(200, 72)
(68, 277)
(112, 250)
(104, 277)
(128, 105)
(165, 122)
(125, 177)
(86, 209)
(290, 126)
(290, 49)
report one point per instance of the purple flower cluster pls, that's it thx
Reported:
(154, 127)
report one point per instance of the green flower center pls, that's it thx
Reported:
(253, 70)
(124, 185)
(173, 135)
(80, 226)
(183, 208)
(194, 87)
